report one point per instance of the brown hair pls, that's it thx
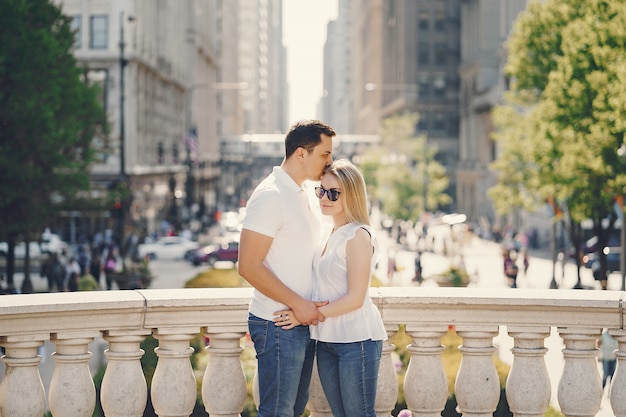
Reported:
(306, 134)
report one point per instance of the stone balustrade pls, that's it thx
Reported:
(174, 317)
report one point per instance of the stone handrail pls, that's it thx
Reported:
(174, 317)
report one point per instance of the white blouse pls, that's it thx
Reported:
(331, 282)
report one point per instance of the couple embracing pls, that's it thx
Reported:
(311, 294)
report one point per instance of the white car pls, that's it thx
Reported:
(169, 247)
(52, 243)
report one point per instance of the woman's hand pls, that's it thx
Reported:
(285, 319)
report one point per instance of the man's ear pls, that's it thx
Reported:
(300, 152)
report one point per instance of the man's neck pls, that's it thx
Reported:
(293, 171)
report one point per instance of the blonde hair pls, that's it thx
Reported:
(352, 186)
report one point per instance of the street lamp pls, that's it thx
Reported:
(191, 136)
(123, 63)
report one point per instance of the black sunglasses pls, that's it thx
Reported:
(333, 193)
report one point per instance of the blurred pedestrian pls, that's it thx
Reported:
(87, 283)
(391, 265)
(110, 263)
(54, 271)
(510, 267)
(72, 273)
(607, 345)
(418, 267)
(95, 266)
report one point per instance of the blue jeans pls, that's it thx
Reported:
(285, 362)
(349, 373)
(608, 367)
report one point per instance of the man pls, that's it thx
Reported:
(278, 240)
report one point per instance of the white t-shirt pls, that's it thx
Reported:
(331, 282)
(279, 208)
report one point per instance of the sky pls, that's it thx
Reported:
(304, 34)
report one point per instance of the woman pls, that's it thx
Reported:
(349, 340)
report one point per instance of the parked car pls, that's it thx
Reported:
(227, 251)
(612, 258)
(169, 247)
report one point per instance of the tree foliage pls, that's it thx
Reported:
(403, 169)
(561, 128)
(48, 115)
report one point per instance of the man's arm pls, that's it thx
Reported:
(253, 248)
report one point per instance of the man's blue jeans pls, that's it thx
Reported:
(349, 373)
(285, 362)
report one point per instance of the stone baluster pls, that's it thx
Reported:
(477, 385)
(580, 388)
(617, 390)
(21, 390)
(387, 385)
(228, 396)
(124, 391)
(528, 384)
(173, 389)
(72, 392)
(425, 382)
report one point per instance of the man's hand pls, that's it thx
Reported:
(306, 312)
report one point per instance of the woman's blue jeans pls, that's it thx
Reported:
(285, 362)
(349, 373)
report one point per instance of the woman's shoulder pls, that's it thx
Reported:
(360, 231)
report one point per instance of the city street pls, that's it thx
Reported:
(482, 259)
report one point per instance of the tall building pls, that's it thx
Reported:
(262, 64)
(366, 66)
(406, 57)
(161, 65)
(485, 26)
(336, 103)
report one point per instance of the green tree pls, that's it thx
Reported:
(49, 116)
(402, 173)
(562, 124)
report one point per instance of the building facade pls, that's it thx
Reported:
(405, 57)
(485, 26)
(175, 76)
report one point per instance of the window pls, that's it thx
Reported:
(422, 53)
(439, 122)
(440, 22)
(441, 52)
(76, 26)
(99, 32)
(422, 124)
(423, 82)
(439, 85)
(422, 22)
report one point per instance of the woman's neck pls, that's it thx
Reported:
(337, 223)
